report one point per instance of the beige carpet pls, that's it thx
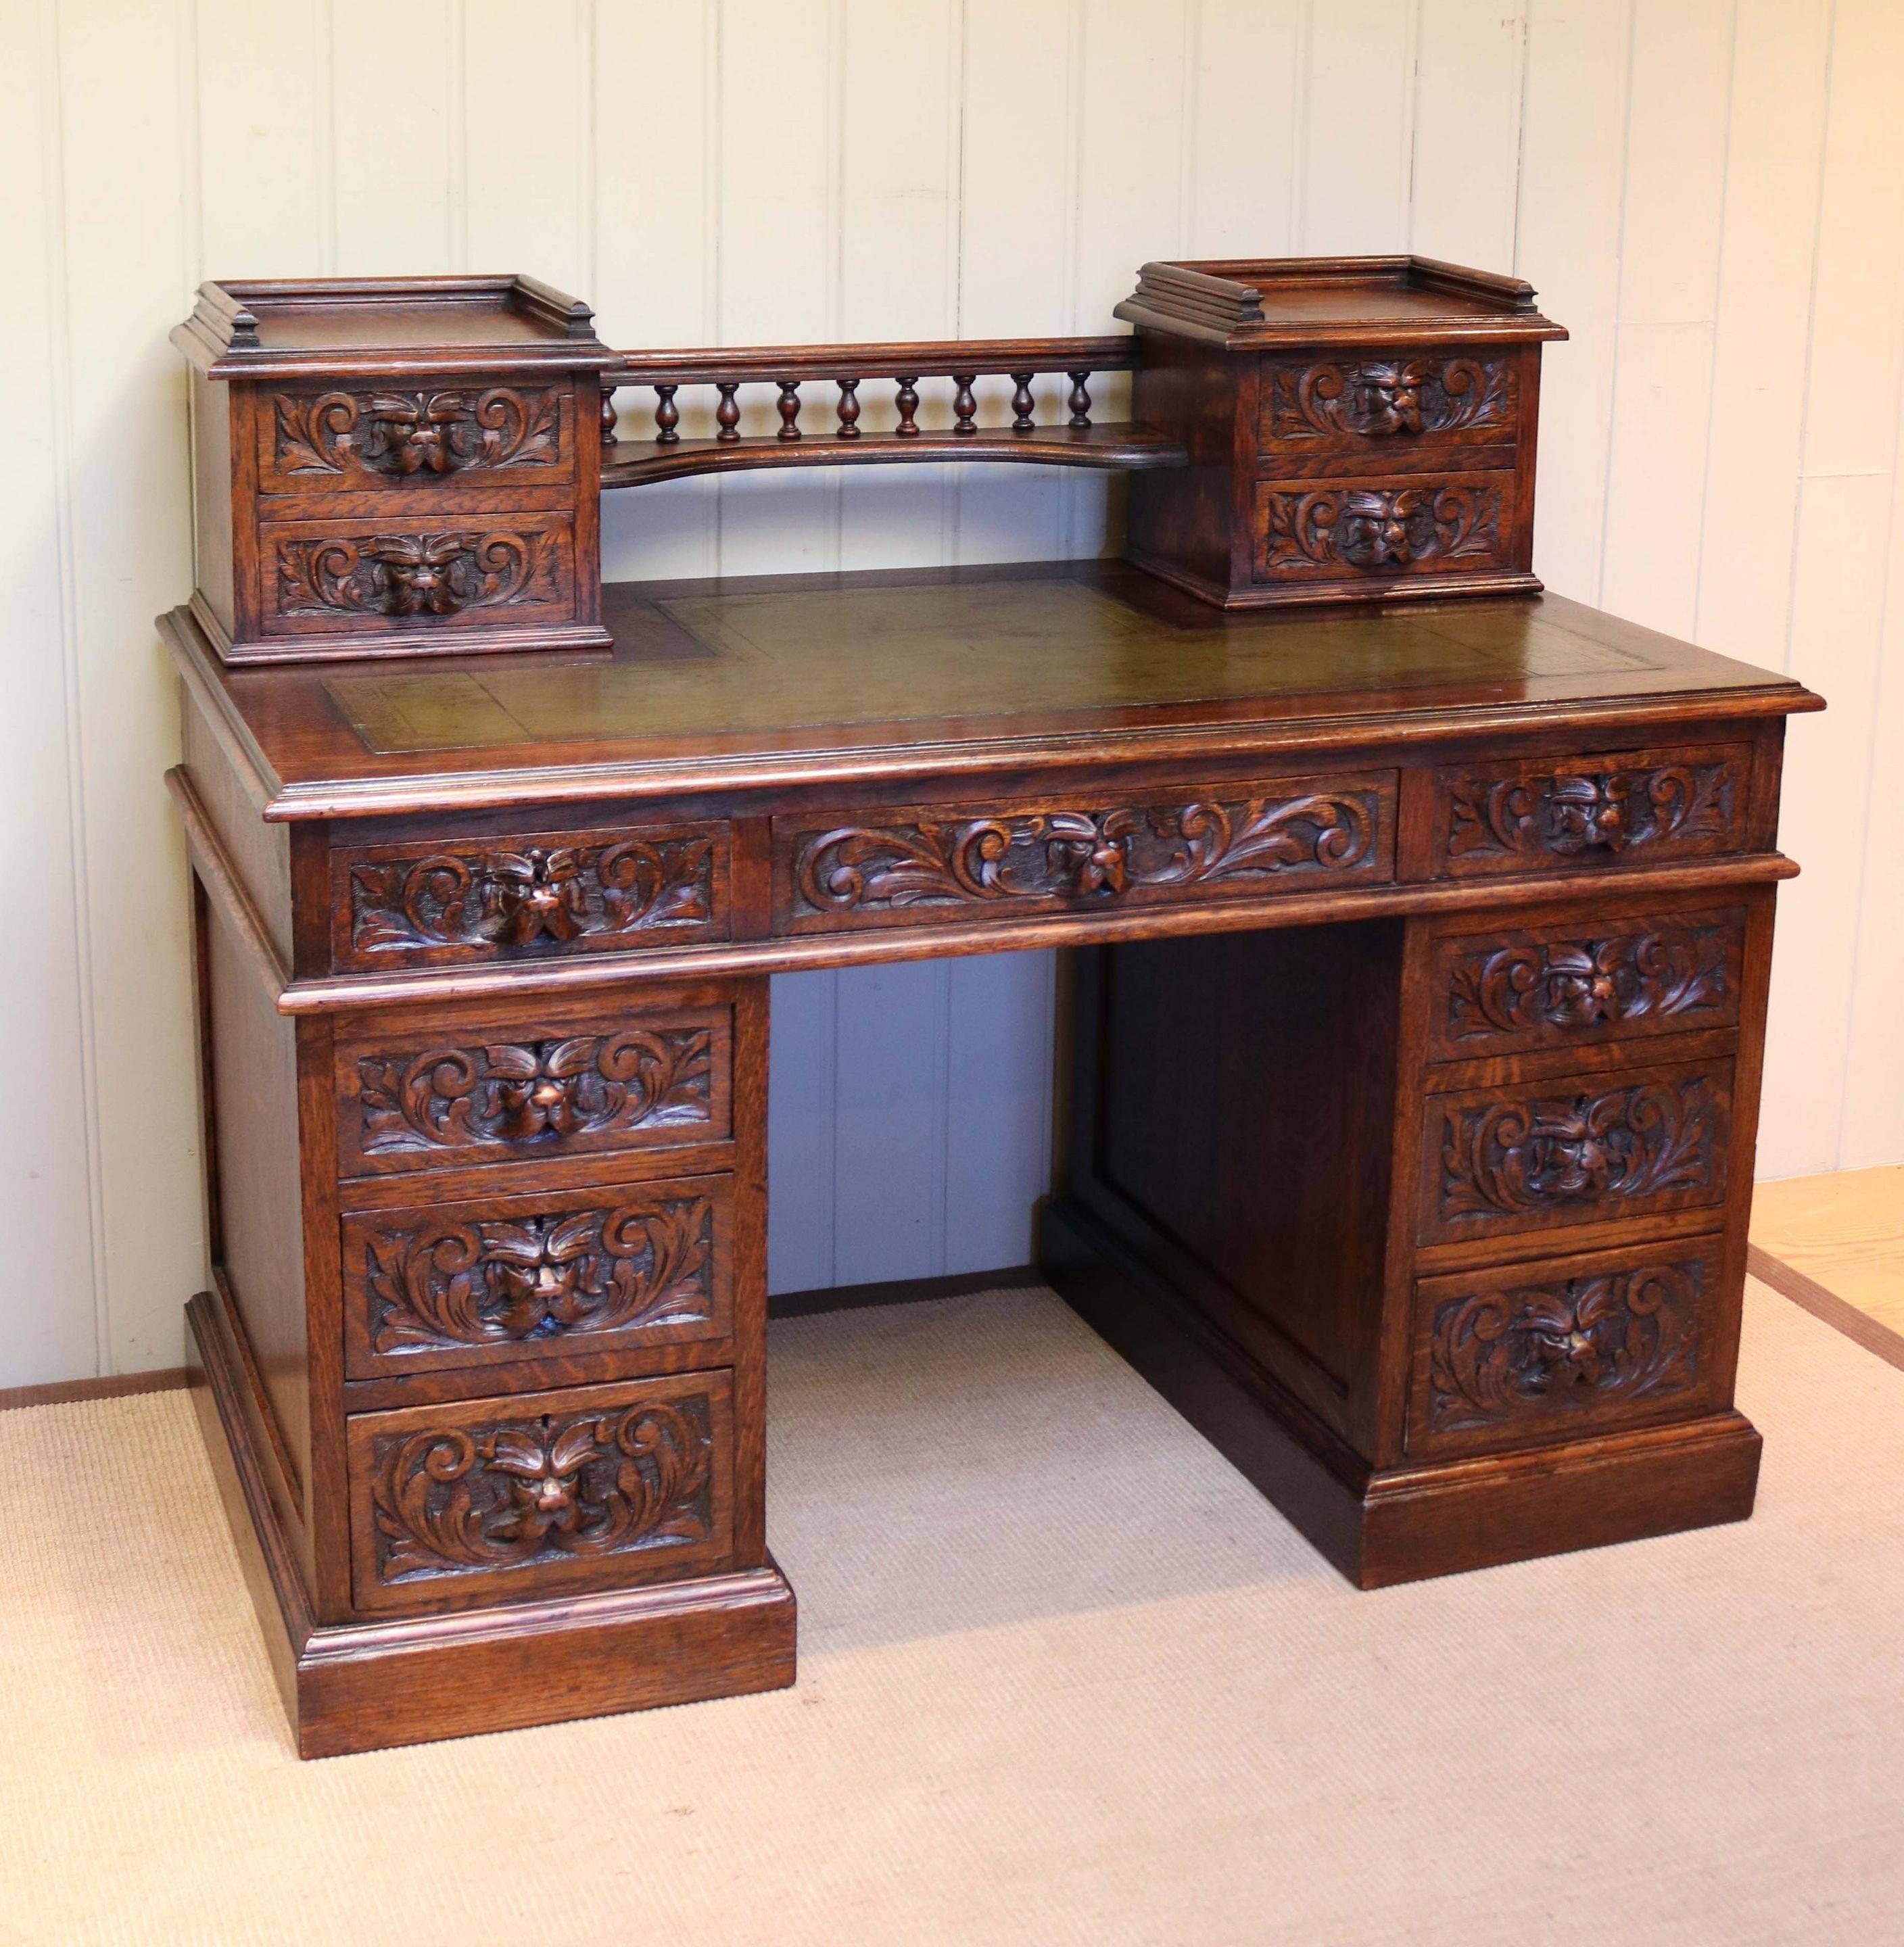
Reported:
(1065, 1678)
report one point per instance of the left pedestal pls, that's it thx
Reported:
(482, 1371)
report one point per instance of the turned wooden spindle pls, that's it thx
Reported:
(1080, 400)
(1021, 402)
(667, 415)
(908, 402)
(727, 414)
(608, 417)
(849, 408)
(964, 404)
(789, 407)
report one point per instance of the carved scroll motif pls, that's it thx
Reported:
(1382, 528)
(501, 1496)
(1574, 813)
(1509, 1158)
(1078, 854)
(1542, 1350)
(1385, 398)
(418, 574)
(1669, 970)
(506, 1094)
(535, 895)
(495, 1282)
(395, 434)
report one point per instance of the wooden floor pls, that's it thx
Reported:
(1842, 1235)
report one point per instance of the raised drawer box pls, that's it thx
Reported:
(915, 864)
(1581, 980)
(593, 1487)
(415, 903)
(1574, 1149)
(493, 1085)
(492, 1282)
(1566, 1347)
(395, 467)
(1358, 427)
(1619, 807)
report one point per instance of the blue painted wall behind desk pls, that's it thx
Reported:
(909, 1123)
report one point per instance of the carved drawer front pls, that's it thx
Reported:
(1573, 1149)
(602, 1079)
(422, 437)
(914, 865)
(502, 1279)
(1565, 1347)
(1392, 527)
(496, 1500)
(526, 896)
(1623, 807)
(401, 574)
(1384, 402)
(1587, 980)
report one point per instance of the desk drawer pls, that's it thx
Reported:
(1545, 814)
(483, 1086)
(1585, 980)
(416, 573)
(590, 1487)
(916, 864)
(417, 441)
(1576, 1149)
(617, 1267)
(1386, 528)
(528, 896)
(1382, 403)
(1527, 1352)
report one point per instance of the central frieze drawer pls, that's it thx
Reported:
(534, 894)
(917, 864)
(485, 1500)
(1575, 1149)
(488, 1087)
(617, 1267)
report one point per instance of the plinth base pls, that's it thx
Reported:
(366, 1686)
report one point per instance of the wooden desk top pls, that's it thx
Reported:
(785, 680)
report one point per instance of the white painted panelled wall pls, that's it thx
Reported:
(1710, 193)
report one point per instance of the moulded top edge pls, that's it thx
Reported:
(244, 328)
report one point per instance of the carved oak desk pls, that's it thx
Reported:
(1414, 1047)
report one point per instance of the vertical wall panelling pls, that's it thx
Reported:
(390, 200)
(1774, 151)
(527, 173)
(1470, 68)
(1680, 94)
(1709, 193)
(1246, 127)
(1838, 592)
(1360, 124)
(126, 252)
(1573, 189)
(1872, 1129)
(49, 1328)
(657, 250)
